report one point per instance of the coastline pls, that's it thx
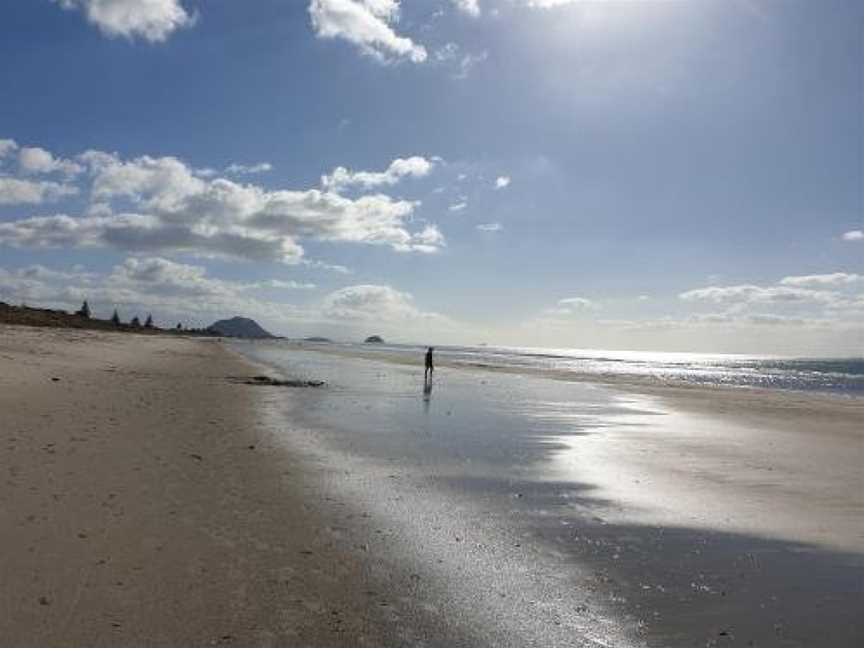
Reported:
(151, 501)
(652, 385)
(145, 503)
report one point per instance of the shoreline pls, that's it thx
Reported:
(624, 382)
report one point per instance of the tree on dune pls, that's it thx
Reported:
(115, 318)
(149, 323)
(85, 310)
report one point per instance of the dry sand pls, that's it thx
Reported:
(144, 504)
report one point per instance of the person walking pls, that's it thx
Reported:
(430, 366)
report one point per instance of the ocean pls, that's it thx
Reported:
(832, 375)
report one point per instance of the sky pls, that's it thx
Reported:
(678, 175)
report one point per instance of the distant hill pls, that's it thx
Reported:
(240, 327)
(374, 339)
(316, 338)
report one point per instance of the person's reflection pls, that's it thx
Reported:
(427, 394)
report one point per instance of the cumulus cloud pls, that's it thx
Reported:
(175, 291)
(7, 146)
(458, 207)
(342, 178)
(152, 20)
(502, 182)
(31, 284)
(374, 303)
(144, 284)
(368, 25)
(35, 160)
(14, 191)
(160, 205)
(836, 279)
(490, 227)
(854, 235)
(824, 294)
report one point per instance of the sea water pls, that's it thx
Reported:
(836, 375)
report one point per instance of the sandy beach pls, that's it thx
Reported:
(150, 500)
(145, 504)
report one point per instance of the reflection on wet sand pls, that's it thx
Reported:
(657, 523)
(427, 394)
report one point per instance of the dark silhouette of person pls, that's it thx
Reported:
(430, 367)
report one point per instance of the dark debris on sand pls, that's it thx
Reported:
(267, 381)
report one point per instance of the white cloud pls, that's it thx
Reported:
(428, 240)
(251, 169)
(366, 24)
(854, 235)
(31, 284)
(470, 7)
(502, 181)
(457, 207)
(836, 279)
(327, 266)
(374, 303)
(158, 183)
(35, 160)
(573, 305)
(750, 294)
(14, 191)
(140, 285)
(566, 311)
(7, 146)
(153, 20)
(285, 285)
(175, 291)
(730, 321)
(490, 227)
(160, 205)
(342, 178)
(57, 231)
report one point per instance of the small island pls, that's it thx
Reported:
(374, 339)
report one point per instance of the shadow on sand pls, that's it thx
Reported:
(693, 587)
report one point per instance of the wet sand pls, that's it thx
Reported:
(145, 503)
(665, 517)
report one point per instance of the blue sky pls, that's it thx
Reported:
(678, 175)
